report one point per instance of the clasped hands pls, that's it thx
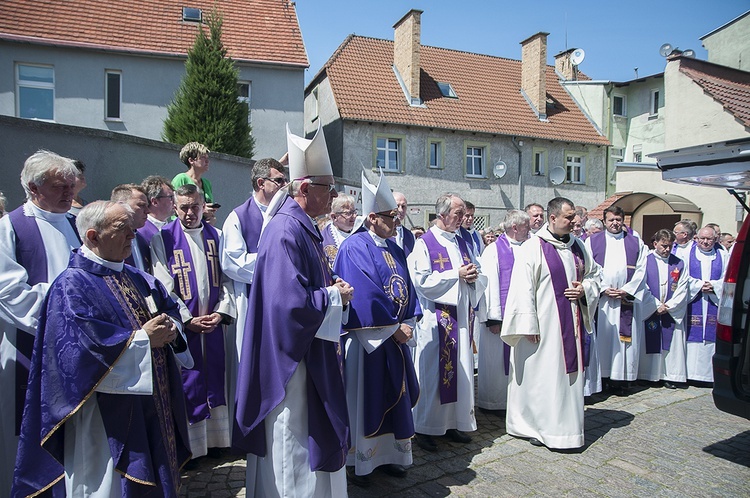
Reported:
(468, 273)
(161, 330)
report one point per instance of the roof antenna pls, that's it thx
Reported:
(636, 72)
(566, 30)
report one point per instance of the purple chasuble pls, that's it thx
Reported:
(385, 296)
(599, 250)
(660, 328)
(695, 309)
(251, 224)
(31, 254)
(91, 314)
(204, 383)
(505, 260)
(564, 306)
(447, 318)
(286, 307)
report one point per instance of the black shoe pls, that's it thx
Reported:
(352, 477)
(394, 469)
(669, 385)
(457, 436)
(426, 442)
(215, 453)
(535, 442)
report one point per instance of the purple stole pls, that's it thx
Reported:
(251, 223)
(329, 243)
(30, 254)
(599, 250)
(660, 328)
(447, 318)
(564, 310)
(204, 383)
(695, 310)
(148, 231)
(505, 260)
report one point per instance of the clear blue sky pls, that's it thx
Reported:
(616, 36)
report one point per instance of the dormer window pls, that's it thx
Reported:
(190, 14)
(446, 90)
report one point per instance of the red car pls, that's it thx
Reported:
(724, 165)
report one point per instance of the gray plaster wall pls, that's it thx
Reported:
(111, 159)
(148, 86)
(492, 196)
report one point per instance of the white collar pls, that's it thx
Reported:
(112, 265)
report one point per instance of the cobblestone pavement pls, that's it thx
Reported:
(654, 442)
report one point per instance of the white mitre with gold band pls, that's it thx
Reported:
(308, 157)
(376, 199)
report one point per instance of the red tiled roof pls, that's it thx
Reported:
(253, 30)
(488, 88)
(598, 211)
(728, 86)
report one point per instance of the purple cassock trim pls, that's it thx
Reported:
(251, 224)
(204, 383)
(505, 260)
(31, 254)
(284, 319)
(695, 310)
(447, 318)
(91, 314)
(660, 328)
(599, 250)
(564, 309)
(147, 231)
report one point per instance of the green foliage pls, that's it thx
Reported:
(205, 108)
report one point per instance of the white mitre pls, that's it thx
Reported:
(308, 157)
(376, 199)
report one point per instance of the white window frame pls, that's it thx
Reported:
(617, 153)
(34, 84)
(107, 117)
(392, 143)
(316, 102)
(439, 156)
(624, 110)
(476, 152)
(638, 153)
(653, 102)
(575, 168)
(539, 167)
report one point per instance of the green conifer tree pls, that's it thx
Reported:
(205, 108)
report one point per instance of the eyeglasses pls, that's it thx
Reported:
(165, 197)
(346, 214)
(387, 215)
(331, 187)
(280, 180)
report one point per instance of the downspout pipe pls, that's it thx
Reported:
(513, 140)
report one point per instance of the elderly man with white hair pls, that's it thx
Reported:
(104, 414)
(343, 220)
(35, 243)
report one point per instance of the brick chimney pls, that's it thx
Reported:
(406, 48)
(533, 72)
(564, 66)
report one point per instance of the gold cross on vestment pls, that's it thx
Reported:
(180, 269)
(441, 261)
(212, 256)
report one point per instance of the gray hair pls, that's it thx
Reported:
(515, 217)
(593, 223)
(294, 185)
(153, 185)
(189, 189)
(94, 216)
(341, 201)
(41, 165)
(443, 203)
(689, 226)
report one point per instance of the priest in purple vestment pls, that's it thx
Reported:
(35, 243)
(104, 411)
(381, 384)
(291, 415)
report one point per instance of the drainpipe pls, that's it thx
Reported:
(520, 174)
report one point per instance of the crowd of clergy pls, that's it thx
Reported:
(320, 342)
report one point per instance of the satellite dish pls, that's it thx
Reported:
(689, 53)
(665, 49)
(500, 169)
(557, 175)
(577, 56)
